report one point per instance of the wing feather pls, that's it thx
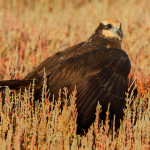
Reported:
(100, 75)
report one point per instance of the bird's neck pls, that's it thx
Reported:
(105, 42)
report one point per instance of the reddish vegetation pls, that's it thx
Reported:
(33, 30)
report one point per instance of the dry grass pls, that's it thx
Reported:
(31, 31)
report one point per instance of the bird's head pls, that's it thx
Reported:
(109, 30)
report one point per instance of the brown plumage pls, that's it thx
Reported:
(99, 69)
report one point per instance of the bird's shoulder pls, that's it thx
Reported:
(104, 57)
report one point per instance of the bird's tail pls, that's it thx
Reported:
(15, 84)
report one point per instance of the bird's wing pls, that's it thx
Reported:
(51, 62)
(99, 75)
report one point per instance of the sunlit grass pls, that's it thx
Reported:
(49, 126)
(33, 30)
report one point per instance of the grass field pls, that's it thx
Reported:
(32, 30)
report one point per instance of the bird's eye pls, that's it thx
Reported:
(109, 26)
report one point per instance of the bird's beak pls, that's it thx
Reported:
(119, 32)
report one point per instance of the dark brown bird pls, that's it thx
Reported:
(99, 69)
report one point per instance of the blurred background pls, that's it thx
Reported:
(32, 30)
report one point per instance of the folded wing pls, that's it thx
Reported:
(100, 75)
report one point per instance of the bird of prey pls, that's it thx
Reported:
(99, 69)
